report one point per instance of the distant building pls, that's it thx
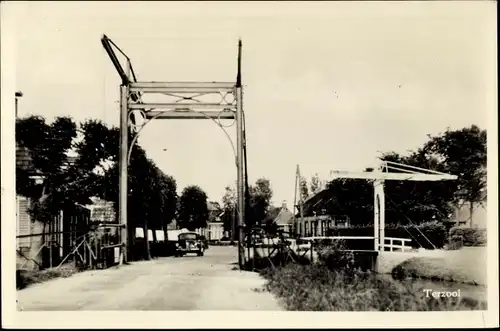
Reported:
(477, 219)
(215, 227)
(282, 216)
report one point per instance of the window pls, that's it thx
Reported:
(23, 222)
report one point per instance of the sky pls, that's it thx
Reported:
(327, 85)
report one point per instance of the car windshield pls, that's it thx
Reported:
(187, 236)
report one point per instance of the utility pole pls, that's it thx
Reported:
(240, 170)
(297, 174)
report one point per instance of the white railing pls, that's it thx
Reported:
(392, 246)
(335, 237)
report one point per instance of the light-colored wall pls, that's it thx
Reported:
(479, 216)
(29, 246)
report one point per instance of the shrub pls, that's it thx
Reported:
(332, 254)
(455, 242)
(433, 231)
(316, 288)
(471, 236)
(25, 278)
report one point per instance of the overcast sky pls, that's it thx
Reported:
(326, 85)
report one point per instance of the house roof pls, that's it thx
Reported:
(211, 206)
(101, 211)
(280, 215)
(24, 160)
(314, 201)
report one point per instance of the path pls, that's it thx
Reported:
(186, 283)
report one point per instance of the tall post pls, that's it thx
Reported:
(301, 199)
(379, 214)
(18, 95)
(123, 163)
(382, 213)
(240, 170)
(295, 199)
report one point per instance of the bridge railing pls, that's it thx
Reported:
(404, 244)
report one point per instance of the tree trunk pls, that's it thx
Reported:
(146, 242)
(155, 243)
(165, 233)
(471, 215)
(131, 245)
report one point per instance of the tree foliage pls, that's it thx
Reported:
(260, 200)
(304, 190)
(47, 145)
(315, 184)
(193, 210)
(152, 196)
(463, 153)
(229, 208)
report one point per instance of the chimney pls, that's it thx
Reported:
(283, 204)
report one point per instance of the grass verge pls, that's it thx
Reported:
(467, 265)
(25, 278)
(317, 288)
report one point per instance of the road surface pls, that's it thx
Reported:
(186, 283)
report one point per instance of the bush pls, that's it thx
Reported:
(434, 231)
(332, 255)
(24, 278)
(471, 236)
(316, 288)
(455, 242)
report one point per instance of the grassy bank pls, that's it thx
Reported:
(25, 278)
(317, 288)
(467, 265)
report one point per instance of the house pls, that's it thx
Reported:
(282, 216)
(101, 211)
(462, 215)
(215, 227)
(313, 221)
(27, 245)
(39, 245)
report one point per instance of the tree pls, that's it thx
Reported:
(463, 153)
(217, 209)
(193, 211)
(304, 190)
(152, 195)
(229, 208)
(315, 184)
(47, 146)
(260, 199)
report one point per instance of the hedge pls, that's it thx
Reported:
(471, 236)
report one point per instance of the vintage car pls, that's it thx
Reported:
(189, 242)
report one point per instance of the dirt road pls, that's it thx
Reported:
(186, 283)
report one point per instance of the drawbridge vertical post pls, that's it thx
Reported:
(123, 175)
